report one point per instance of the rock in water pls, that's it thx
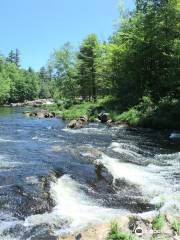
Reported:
(103, 117)
(83, 118)
(78, 123)
(75, 124)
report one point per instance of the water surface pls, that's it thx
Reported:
(54, 180)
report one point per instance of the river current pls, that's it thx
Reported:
(55, 181)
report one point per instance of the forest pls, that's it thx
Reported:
(135, 75)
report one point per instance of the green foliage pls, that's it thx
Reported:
(62, 64)
(16, 84)
(116, 234)
(86, 66)
(158, 222)
(76, 110)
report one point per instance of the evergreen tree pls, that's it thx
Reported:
(87, 67)
(17, 58)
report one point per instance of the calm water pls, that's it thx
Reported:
(54, 180)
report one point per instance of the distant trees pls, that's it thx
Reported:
(63, 71)
(14, 57)
(17, 84)
(141, 60)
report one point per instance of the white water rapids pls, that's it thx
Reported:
(153, 175)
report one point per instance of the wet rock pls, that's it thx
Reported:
(103, 117)
(75, 124)
(40, 115)
(83, 118)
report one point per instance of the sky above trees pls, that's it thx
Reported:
(37, 27)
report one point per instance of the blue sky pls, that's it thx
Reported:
(37, 27)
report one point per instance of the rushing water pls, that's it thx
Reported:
(54, 180)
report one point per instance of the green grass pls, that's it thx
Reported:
(158, 222)
(116, 234)
(176, 226)
(78, 110)
(89, 109)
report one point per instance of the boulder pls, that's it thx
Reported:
(75, 124)
(40, 115)
(83, 118)
(103, 117)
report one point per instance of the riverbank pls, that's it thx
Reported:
(162, 227)
(165, 115)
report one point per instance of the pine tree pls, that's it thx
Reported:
(17, 58)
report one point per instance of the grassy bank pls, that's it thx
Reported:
(163, 115)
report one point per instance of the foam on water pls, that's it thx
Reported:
(7, 222)
(7, 164)
(84, 130)
(4, 140)
(154, 180)
(130, 150)
(73, 207)
(148, 181)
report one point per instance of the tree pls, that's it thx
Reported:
(87, 67)
(62, 64)
(17, 58)
(11, 57)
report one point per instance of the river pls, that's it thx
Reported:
(54, 180)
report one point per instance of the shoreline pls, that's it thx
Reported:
(132, 227)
